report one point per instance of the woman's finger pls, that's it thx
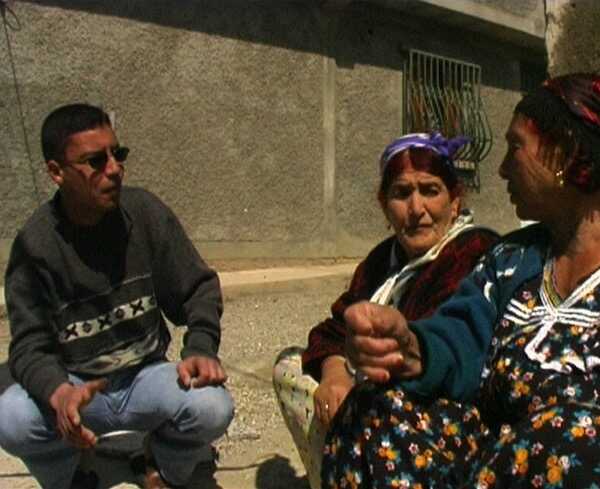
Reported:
(325, 414)
(358, 318)
(334, 405)
(319, 413)
(322, 406)
(329, 411)
(376, 374)
(389, 361)
(389, 322)
(374, 346)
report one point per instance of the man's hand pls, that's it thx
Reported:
(198, 371)
(67, 401)
(380, 344)
(333, 389)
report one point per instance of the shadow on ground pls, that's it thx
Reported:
(276, 473)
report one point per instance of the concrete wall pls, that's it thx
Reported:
(572, 37)
(260, 122)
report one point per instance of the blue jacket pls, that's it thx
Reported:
(455, 340)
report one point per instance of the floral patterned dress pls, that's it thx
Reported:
(535, 423)
(434, 276)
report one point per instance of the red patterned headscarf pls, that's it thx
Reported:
(566, 111)
(581, 94)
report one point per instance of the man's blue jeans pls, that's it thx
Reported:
(181, 423)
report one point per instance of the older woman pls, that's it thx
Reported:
(520, 338)
(434, 246)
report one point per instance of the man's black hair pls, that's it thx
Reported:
(65, 121)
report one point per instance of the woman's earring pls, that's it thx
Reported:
(560, 178)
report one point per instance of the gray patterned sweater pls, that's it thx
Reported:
(91, 300)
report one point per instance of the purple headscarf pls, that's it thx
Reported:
(433, 141)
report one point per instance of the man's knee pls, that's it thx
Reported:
(21, 421)
(210, 409)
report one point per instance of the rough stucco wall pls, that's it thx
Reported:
(227, 132)
(22, 183)
(572, 36)
(261, 126)
(225, 151)
(20, 175)
(368, 117)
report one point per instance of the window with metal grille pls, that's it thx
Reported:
(443, 94)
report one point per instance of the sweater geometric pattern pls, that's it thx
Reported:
(117, 328)
(123, 312)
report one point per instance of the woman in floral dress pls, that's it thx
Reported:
(499, 388)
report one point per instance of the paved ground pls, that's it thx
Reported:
(265, 311)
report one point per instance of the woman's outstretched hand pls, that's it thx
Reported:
(380, 344)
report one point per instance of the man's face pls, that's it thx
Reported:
(89, 192)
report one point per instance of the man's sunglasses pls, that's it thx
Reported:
(98, 161)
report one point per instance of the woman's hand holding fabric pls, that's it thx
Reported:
(380, 344)
(333, 389)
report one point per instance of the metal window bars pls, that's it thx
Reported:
(444, 94)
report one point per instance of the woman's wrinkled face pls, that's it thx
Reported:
(420, 208)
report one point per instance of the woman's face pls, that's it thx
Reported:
(419, 207)
(532, 184)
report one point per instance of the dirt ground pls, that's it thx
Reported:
(258, 452)
(231, 265)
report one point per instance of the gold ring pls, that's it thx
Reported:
(326, 407)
